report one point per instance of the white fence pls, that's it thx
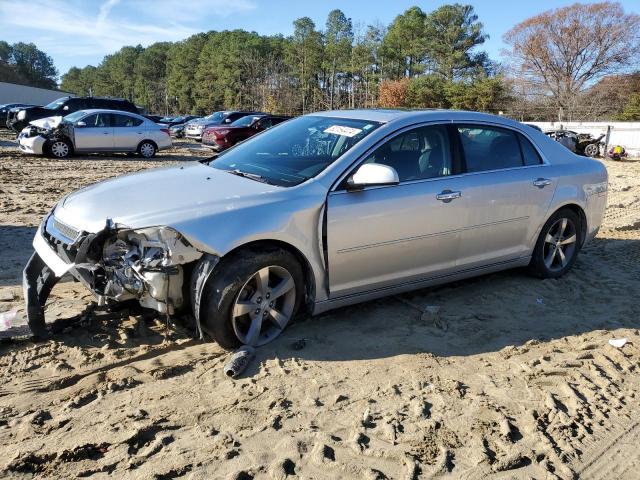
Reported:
(626, 134)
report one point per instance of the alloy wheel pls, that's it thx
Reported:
(60, 149)
(264, 306)
(560, 244)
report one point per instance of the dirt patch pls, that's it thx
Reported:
(513, 379)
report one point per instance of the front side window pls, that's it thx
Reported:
(294, 151)
(489, 148)
(417, 154)
(56, 104)
(124, 121)
(97, 120)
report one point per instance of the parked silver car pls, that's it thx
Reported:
(90, 131)
(325, 210)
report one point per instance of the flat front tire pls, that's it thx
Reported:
(558, 245)
(252, 296)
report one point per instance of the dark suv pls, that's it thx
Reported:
(18, 119)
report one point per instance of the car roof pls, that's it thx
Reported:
(89, 111)
(384, 115)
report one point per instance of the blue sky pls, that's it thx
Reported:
(81, 32)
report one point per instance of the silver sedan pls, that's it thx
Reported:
(91, 131)
(322, 211)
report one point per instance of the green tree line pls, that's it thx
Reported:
(435, 55)
(25, 64)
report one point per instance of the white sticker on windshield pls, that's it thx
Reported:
(344, 131)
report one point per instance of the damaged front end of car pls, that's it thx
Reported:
(34, 138)
(117, 264)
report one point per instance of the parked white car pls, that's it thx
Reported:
(92, 131)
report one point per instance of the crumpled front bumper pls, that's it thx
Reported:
(32, 145)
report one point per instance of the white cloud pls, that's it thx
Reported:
(66, 29)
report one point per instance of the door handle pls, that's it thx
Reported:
(447, 195)
(541, 182)
(105, 133)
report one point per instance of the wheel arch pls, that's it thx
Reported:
(146, 140)
(46, 148)
(309, 276)
(579, 211)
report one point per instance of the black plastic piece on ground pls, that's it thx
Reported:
(37, 282)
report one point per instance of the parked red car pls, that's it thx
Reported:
(222, 137)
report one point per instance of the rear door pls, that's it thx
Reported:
(96, 135)
(128, 132)
(380, 237)
(507, 188)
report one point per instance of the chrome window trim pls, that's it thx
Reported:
(334, 188)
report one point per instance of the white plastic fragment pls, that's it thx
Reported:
(618, 342)
(7, 318)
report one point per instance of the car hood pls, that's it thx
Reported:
(171, 196)
(47, 122)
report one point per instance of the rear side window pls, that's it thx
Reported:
(489, 148)
(529, 154)
(124, 121)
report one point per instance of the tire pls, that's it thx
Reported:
(557, 247)
(591, 150)
(60, 148)
(147, 149)
(234, 288)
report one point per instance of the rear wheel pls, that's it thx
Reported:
(252, 296)
(557, 246)
(147, 149)
(60, 148)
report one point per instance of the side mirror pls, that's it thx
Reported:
(226, 120)
(81, 124)
(66, 107)
(372, 174)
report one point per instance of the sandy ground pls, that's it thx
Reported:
(514, 378)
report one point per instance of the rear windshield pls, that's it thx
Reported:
(294, 151)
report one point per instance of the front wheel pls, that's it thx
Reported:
(60, 148)
(557, 246)
(252, 296)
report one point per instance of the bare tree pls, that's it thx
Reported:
(564, 51)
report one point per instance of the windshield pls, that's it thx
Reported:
(72, 117)
(56, 103)
(296, 150)
(215, 117)
(245, 121)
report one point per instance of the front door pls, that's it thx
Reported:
(95, 135)
(384, 236)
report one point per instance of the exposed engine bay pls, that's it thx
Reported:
(116, 264)
(145, 265)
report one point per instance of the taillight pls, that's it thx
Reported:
(166, 130)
